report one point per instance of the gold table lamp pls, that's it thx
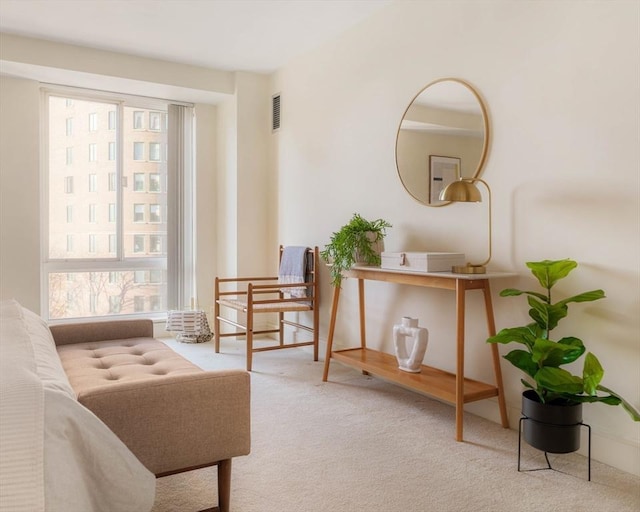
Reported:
(464, 190)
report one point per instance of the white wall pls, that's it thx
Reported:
(20, 192)
(561, 82)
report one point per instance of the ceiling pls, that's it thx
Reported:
(235, 35)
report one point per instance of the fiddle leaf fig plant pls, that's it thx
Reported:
(354, 242)
(541, 357)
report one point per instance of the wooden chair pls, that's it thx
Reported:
(253, 295)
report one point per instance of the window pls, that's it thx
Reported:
(138, 212)
(112, 119)
(138, 182)
(153, 260)
(93, 243)
(92, 213)
(114, 304)
(155, 243)
(69, 156)
(138, 150)
(154, 213)
(154, 151)
(155, 121)
(68, 185)
(138, 243)
(138, 120)
(138, 303)
(69, 126)
(154, 182)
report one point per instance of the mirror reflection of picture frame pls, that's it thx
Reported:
(442, 171)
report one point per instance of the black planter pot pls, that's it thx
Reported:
(551, 428)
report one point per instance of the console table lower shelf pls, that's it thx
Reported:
(430, 381)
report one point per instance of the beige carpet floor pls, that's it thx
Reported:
(357, 444)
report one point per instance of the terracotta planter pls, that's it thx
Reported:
(553, 428)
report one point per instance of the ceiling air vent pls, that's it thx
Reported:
(275, 112)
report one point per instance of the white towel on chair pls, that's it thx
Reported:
(293, 269)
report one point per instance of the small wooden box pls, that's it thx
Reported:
(421, 261)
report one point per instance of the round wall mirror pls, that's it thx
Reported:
(443, 135)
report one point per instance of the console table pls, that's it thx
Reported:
(450, 387)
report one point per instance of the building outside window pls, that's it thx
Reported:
(138, 120)
(112, 119)
(138, 243)
(155, 121)
(155, 243)
(93, 243)
(138, 303)
(154, 213)
(68, 185)
(138, 150)
(133, 248)
(154, 151)
(154, 182)
(138, 182)
(93, 122)
(138, 212)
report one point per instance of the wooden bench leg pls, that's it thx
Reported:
(224, 485)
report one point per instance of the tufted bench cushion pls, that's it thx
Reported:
(92, 365)
(170, 413)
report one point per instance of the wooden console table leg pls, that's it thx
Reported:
(363, 332)
(491, 325)
(460, 312)
(332, 327)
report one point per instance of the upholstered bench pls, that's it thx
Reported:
(171, 414)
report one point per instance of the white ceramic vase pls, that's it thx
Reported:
(410, 342)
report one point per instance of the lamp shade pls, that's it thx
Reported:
(461, 191)
(464, 190)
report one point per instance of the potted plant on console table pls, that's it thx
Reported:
(358, 241)
(554, 398)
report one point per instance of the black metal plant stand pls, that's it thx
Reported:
(524, 418)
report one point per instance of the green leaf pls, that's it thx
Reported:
(585, 297)
(525, 335)
(512, 292)
(633, 412)
(549, 272)
(559, 380)
(551, 353)
(592, 374)
(547, 316)
(522, 359)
